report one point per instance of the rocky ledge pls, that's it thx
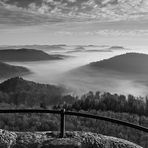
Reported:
(52, 140)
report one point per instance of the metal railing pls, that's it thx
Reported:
(63, 113)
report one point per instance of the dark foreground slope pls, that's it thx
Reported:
(26, 55)
(7, 70)
(128, 63)
(19, 91)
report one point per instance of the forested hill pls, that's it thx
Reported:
(7, 70)
(21, 94)
(26, 55)
(128, 63)
(19, 91)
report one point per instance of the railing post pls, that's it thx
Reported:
(62, 128)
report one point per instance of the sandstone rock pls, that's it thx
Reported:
(7, 139)
(52, 140)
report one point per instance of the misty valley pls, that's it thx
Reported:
(71, 67)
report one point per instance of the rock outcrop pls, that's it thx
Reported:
(52, 140)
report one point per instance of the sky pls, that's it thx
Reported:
(25, 22)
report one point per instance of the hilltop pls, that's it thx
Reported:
(18, 84)
(20, 91)
(7, 70)
(24, 54)
(127, 63)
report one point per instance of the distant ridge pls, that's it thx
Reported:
(7, 70)
(128, 63)
(24, 54)
(116, 48)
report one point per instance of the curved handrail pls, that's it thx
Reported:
(112, 120)
(79, 114)
(30, 111)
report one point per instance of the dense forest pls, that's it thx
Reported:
(108, 102)
(18, 93)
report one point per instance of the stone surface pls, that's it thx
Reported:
(52, 140)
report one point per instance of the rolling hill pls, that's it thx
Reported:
(29, 93)
(7, 70)
(128, 63)
(18, 84)
(25, 55)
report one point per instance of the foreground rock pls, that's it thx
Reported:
(52, 140)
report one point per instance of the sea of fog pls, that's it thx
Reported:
(64, 72)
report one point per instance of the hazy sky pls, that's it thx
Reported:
(73, 22)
